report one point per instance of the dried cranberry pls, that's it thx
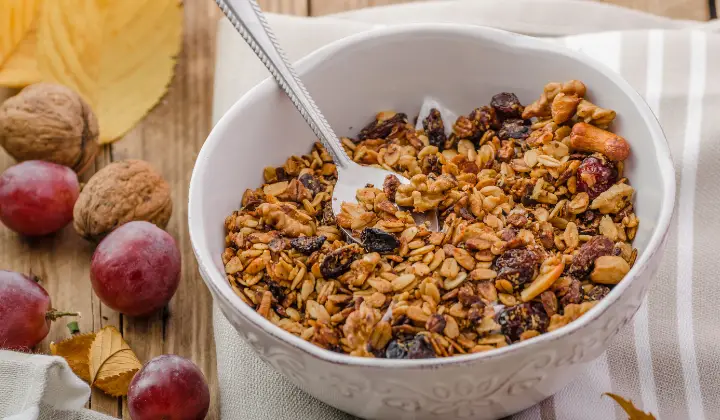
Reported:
(307, 244)
(518, 266)
(338, 261)
(514, 129)
(381, 129)
(591, 250)
(311, 183)
(595, 175)
(524, 317)
(435, 129)
(507, 105)
(377, 240)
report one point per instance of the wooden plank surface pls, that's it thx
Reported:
(170, 138)
(680, 9)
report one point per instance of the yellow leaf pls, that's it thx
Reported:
(119, 55)
(18, 67)
(112, 363)
(75, 351)
(633, 412)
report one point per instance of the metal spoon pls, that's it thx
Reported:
(249, 20)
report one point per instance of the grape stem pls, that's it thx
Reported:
(54, 314)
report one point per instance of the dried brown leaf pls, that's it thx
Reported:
(112, 362)
(633, 412)
(75, 351)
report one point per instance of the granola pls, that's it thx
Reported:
(537, 225)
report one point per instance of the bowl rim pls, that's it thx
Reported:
(222, 290)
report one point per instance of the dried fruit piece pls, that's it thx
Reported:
(516, 320)
(377, 240)
(514, 129)
(307, 244)
(122, 84)
(112, 362)
(49, 122)
(507, 105)
(119, 193)
(75, 351)
(338, 261)
(435, 129)
(383, 125)
(311, 183)
(595, 175)
(390, 186)
(518, 266)
(590, 251)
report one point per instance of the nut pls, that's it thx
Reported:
(609, 270)
(119, 193)
(49, 122)
(563, 107)
(588, 138)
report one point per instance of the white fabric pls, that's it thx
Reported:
(42, 387)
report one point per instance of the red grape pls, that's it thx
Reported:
(25, 311)
(136, 268)
(168, 387)
(37, 197)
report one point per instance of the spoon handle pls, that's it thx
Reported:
(249, 20)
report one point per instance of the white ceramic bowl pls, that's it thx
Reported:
(394, 68)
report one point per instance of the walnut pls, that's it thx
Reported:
(119, 193)
(49, 122)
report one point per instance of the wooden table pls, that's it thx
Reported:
(170, 138)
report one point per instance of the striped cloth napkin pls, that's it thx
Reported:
(667, 360)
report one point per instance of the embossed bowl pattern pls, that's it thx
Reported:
(395, 68)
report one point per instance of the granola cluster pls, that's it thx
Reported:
(537, 224)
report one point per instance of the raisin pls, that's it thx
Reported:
(591, 250)
(382, 129)
(377, 240)
(435, 129)
(595, 175)
(507, 234)
(396, 350)
(524, 317)
(549, 302)
(598, 292)
(518, 266)
(307, 244)
(507, 105)
(430, 164)
(281, 174)
(311, 183)
(338, 261)
(420, 348)
(484, 119)
(514, 129)
(390, 186)
(436, 323)
(573, 294)
(277, 291)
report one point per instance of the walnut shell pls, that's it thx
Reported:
(50, 122)
(119, 193)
